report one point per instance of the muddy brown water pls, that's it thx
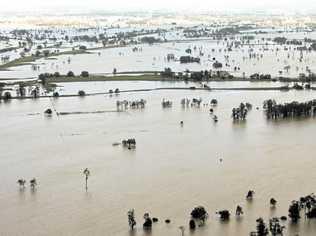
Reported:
(172, 170)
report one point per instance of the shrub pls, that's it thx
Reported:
(84, 74)
(81, 93)
(82, 47)
(199, 213)
(70, 74)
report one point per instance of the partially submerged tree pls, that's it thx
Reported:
(224, 214)
(250, 194)
(239, 211)
(192, 224)
(33, 183)
(70, 74)
(81, 93)
(240, 113)
(199, 213)
(294, 211)
(262, 230)
(21, 183)
(86, 173)
(275, 227)
(131, 218)
(148, 222)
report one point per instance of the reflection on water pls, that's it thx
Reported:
(172, 170)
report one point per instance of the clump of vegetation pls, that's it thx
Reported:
(70, 74)
(289, 110)
(33, 183)
(308, 203)
(129, 143)
(224, 214)
(82, 47)
(192, 224)
(81, 93)
(188, 59)
(131, 218)
(240, 113)
(166, 103)
(280, 40)
(199, 213)
(7, 96)
(150, 40)
(86, 173)
(262, 229)
(21, 183)
(217, 65)
(148, 222)
(275, 227)
(257, 76)
(48, 111)
(84, 74)
(167, 73)
(294, 211)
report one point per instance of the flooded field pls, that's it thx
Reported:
(172, 170)
(154, 58)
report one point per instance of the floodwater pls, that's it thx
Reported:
(172, 170)
(153, 58)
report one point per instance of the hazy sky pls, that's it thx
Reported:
(207, 5)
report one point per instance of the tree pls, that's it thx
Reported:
(275, 226)
(217, 65)
(46, 53)
(294, 211)
(86, 173)
(33, 183)
(84, 74)
(280, 40)
(7, 96)
(37, 53)
(81, 93)
(82, 47)
(148, 222)
(131, 218)
(21, 182)
(261, 228)
(167, 73)
(70, 74)
(199, 213)
(150, 40)
(192, 224)
(313, 46)
(224, 215)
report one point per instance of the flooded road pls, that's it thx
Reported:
(172, 170)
